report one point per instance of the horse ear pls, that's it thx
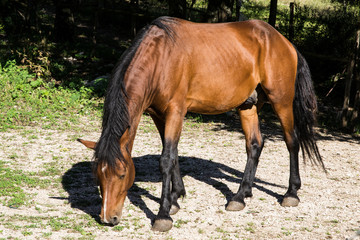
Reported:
(88, 144)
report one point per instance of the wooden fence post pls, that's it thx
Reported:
(291, 22)
(237, 10)
(351, 105)
(273, 11)
(355, 118)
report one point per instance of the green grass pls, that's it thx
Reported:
(28, 224)
(28, 100)
(12, 185)
(180, 222)
(250, 227)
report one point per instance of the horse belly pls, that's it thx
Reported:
(219, 97)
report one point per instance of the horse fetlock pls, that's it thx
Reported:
(174, 209)
(182, 193)
(248, 194)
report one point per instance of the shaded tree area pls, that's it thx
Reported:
(329, 43)
(220, 10)
(327, 37)
(69, 42)
(64, 23)
(350, 114)
(177, 8)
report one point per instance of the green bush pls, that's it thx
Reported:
(327, 31)
(26, 99)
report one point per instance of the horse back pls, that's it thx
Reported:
(212, 68)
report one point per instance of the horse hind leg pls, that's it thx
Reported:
(254, 144)
(291, 198)
(285, 114)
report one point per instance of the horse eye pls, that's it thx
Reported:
(122, 176)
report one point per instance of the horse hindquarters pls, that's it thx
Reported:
(304, 112)
(294, 102)
(282, 102)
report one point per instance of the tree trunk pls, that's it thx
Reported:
(273, 11)
(31, 15)
(177, 8)
(64, 26)
(355, 121)
(350, 115)
(100, 4)
(238, 7)
(219, 10)
(133, 31)
(291, 22)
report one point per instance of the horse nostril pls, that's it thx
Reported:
(114, 220)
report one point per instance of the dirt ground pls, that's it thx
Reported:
(212, 158)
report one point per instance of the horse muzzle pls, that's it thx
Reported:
(111, 220)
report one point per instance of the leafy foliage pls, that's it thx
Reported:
(329, 31)
(26, 99)
(324, 32)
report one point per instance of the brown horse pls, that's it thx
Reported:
(175, 66)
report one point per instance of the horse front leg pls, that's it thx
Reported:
(177, 184)
(169, 168)
(177, 188)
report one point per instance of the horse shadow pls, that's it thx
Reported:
(209, 172)
(83, 191)
(80, 184)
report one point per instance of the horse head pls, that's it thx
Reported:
(114, 180)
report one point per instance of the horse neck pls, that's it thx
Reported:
(137, 102)
(135, 119)
(144, 70)
(141, 76)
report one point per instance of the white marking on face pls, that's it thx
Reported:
(105, 202)
(103, 169)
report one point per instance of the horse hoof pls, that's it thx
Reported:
(290, 202)
(162, 225)
(235, 206)
(174, 209)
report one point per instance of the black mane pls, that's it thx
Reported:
(115, 114)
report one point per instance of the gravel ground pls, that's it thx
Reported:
(212, 158)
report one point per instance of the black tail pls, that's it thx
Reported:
(305, 107)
